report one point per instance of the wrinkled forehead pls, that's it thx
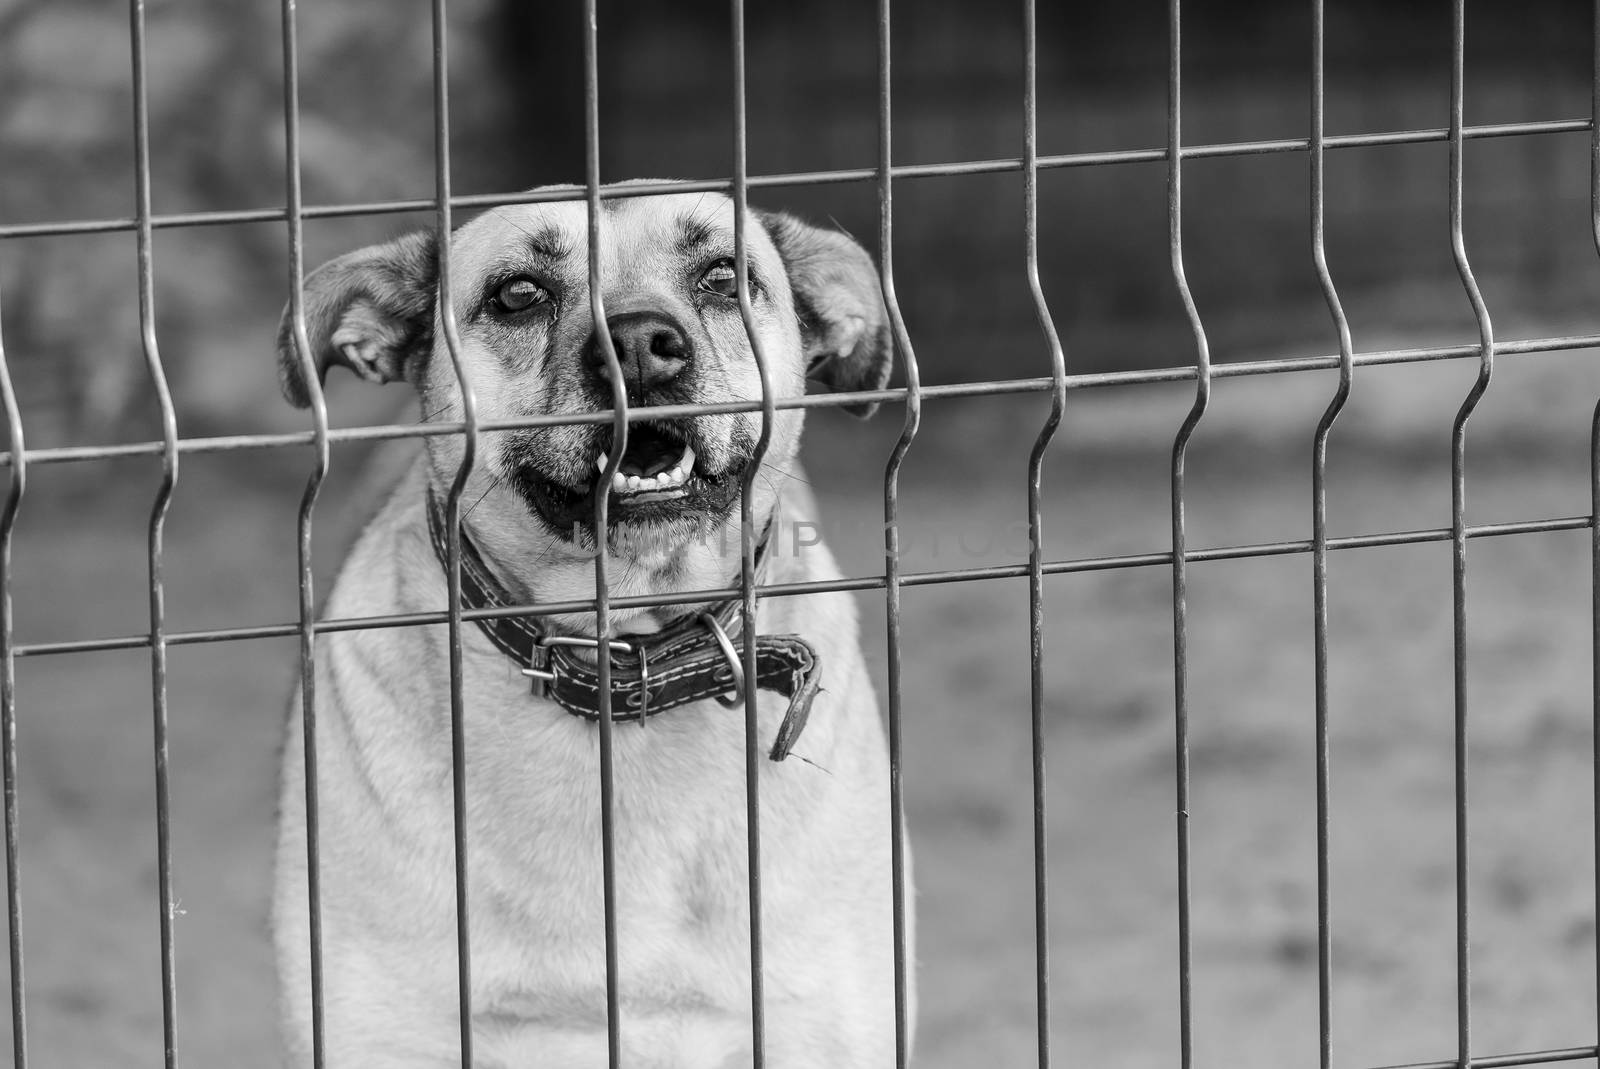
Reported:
(638, 236)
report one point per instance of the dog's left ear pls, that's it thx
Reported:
(370, 311)
(843, 325)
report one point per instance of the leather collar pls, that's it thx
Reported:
(691, 660)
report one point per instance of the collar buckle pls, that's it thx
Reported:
(541, 675)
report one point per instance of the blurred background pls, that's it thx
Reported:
(68, 312)
(217, 144)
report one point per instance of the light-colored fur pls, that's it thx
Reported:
(532, 771)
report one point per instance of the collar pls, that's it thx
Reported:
(692, 659)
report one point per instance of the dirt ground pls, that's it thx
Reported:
(88, 842)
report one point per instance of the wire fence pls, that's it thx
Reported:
(1060, 384)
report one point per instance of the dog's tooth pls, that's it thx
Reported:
(619, 483)
(600, 463)
(686, 462)
(633, 482)
(648, 482)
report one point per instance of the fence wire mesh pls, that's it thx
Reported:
(1060, 385)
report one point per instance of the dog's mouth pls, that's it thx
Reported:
(657, 466)
(660, 477)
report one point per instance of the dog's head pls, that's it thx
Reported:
(529, 345)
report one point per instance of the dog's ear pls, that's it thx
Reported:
(370, 310)
(843, 325)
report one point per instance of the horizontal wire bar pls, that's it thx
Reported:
(1534, 1057)
(998, 387)
(858, 583)
(791, 179)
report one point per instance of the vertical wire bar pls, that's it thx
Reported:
(602, 590)
(1058, 400)
(308, 501)
(1458, 522)
(8, 712)
(747, 541)
(1594, 478)
(891, 531)
(469, 455)
(158, 520)
(1180, 564)
(1319, 528)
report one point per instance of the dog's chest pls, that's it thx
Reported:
(679, 878)
(678, 828)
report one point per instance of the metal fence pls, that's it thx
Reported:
(1058, 384)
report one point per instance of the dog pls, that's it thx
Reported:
(529, 347)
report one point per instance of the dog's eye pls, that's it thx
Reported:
(520, 294)
(720, 279)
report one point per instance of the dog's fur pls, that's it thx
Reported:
(532, 779)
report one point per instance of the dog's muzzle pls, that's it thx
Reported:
(662, 473)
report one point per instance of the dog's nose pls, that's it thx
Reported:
(651, 347)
